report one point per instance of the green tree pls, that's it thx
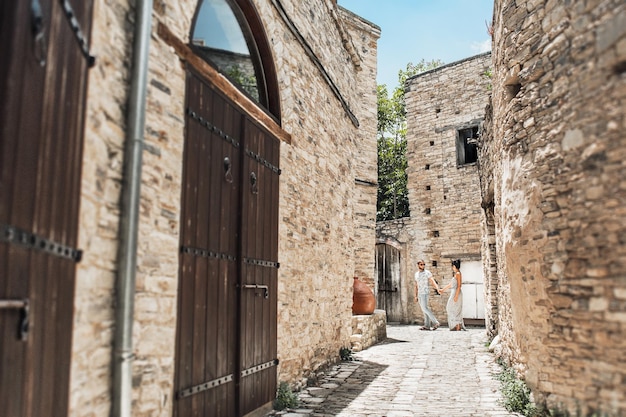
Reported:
(393, 200)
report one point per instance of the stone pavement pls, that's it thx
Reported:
(412, 373)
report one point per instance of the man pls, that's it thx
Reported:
(423, 280)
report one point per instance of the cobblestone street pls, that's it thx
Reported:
(412, 373)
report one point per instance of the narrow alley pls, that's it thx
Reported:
(412, 373)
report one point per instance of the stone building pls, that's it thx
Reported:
(445, 109)
(554, 196)
(184, 243)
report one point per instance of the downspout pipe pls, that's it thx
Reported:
(123, 356)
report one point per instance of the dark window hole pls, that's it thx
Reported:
(620, 68)
(512, 90)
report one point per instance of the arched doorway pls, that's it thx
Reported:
(227, 306)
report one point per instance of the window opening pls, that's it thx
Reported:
(466, 145)
(222, 38)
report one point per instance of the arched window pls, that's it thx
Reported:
(229, 36)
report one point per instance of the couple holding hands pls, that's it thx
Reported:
(454, 308)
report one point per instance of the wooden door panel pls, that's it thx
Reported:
(227, 329)
(389, 282)
(260, 263)
(43, 82)
(13, 352)
(206, 358)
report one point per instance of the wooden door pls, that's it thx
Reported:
(389, 283)
(43, 79)
(226, 338)
(259, 251)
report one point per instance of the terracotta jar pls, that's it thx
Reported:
(363, 300)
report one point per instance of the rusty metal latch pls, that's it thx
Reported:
(265, 288)
(22, 305)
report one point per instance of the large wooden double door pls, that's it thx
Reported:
(226, 336)
(43, 79)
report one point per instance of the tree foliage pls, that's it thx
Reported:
(393, 199)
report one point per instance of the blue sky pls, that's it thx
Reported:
(412, 30)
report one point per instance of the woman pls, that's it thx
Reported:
(454, 307)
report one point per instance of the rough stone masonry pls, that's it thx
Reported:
(327, 193)
(553, 184)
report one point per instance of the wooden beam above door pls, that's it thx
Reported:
(185, 53)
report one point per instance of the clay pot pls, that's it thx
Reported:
(363, 300)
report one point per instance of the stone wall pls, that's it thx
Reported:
(367, 330)
(364, 37)
(494, 289)
(444, 196)
(320, 206)
(322, 213)
(555, 177)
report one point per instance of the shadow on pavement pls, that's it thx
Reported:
(389, 341)
(347, 391)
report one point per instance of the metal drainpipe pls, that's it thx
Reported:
(129, 222)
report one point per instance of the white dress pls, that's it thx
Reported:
(455, 310)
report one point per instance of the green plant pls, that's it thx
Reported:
(346, 354)
(517, 398)
(285, 397)
(392, 194)
(516, 394)
(488, 74)
(246, 80)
